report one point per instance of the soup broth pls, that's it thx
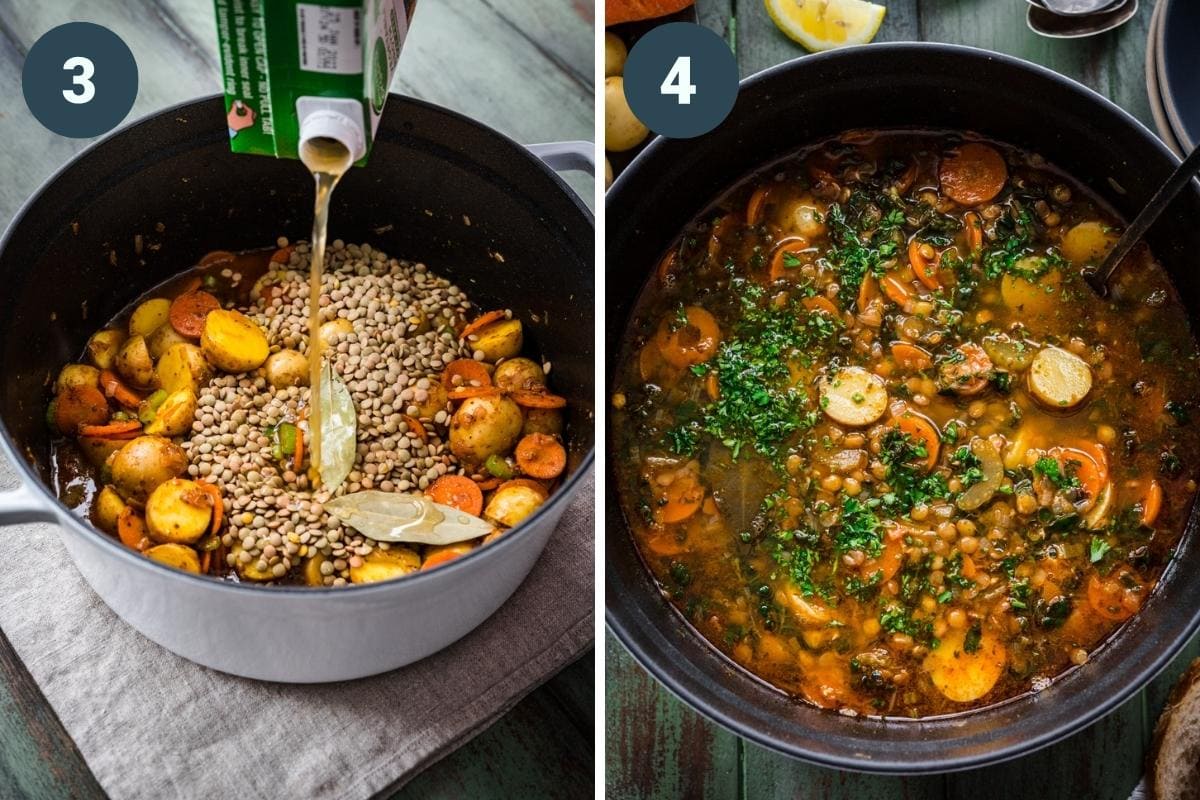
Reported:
(880, 443)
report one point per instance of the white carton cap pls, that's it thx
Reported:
(334, 118)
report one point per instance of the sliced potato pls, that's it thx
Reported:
(502, 339)
(76, 375)
(103, 346)
(164, 339)
(622, 130)
(961, 676)
(287, 368)
(1097, 517)
(1018, 446)
(384, 565)
(543, 420)
(1059, 379)
(312, 570)
(134, 361)
(1088, 243)
(174, 416)
(519, 373)
(804, 218)
(144, 463)
(183, 366)
(512, 503)
(485, 426)
(810, 611)
(233, 342)
(149, 317)
(179, 556)
(107, 509)
(1039, 296)
(853, 396)
(250, 571)
(331, 331)
(178, 511)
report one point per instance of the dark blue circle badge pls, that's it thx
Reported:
(681, 80)
(79, 80)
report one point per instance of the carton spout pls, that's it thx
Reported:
(332, 133)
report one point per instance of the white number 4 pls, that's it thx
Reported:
(679, 81)
(84, 89)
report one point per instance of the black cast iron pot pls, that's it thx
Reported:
(777, 112)
(68, 262)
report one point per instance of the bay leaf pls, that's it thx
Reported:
(395, 517)
(339, 429)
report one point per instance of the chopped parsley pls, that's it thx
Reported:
(859, 529)
(905, 457)
(1098, 548)
(974, 639)
(971, 468)
(1061, 477)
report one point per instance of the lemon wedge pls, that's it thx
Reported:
(826, 24)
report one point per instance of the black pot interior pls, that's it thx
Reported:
(892, 86)
(69, 262)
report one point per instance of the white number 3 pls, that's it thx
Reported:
(84, 89)
(679, 81)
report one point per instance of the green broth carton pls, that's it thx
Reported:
(294, 71)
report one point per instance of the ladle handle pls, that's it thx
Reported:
(1142, 222)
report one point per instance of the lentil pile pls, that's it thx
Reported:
(403, 319)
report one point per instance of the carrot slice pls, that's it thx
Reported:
(681, 499)
(1116, 597)
(922, 429)
(436, 556)
(79, 406)
(1092, 469)
(115, 388)
(665, 543)
(719, 229)
(468, 370)
(896, 291)
(890, 559)
(781, 265)
(754, 208)
(482, 321)
(973, 174)
(131, 529)
(820, 302)
(926, 273)
(694, 341)
(1152, 504)
(969, 570)
(416, 428)
(541, 456)
(530, 399)
(215, 257)
(868, 293)
(466, 392)
(974, 228)
(712, 386)
(909, 356)
(121, 429)
(189, 310)
(457, 491)
(282, 255)
(218, 505)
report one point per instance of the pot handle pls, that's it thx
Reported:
(567, 156)
(24, 504)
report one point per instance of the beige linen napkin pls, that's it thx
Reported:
(152, 725)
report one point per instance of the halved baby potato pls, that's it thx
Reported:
(384, 565)
(966, 676)
(103, 346)
(501, 339)
(76, 375)
(183, 366)
(519, 373)
(149, 317)
(853, 396)
(233, 341)
(513, 502)
(178, 510)
(134, 362)
(174, 416)
(1059, 379)
(179, 556)
(1032, 296)
(107, 509)
(164, 339)
(312, 570)
(1088, 242)
(330, 331)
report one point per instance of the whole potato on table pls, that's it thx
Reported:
(144, 463)
(622, 130)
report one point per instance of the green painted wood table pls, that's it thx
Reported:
(522, 66)
(659, 748)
